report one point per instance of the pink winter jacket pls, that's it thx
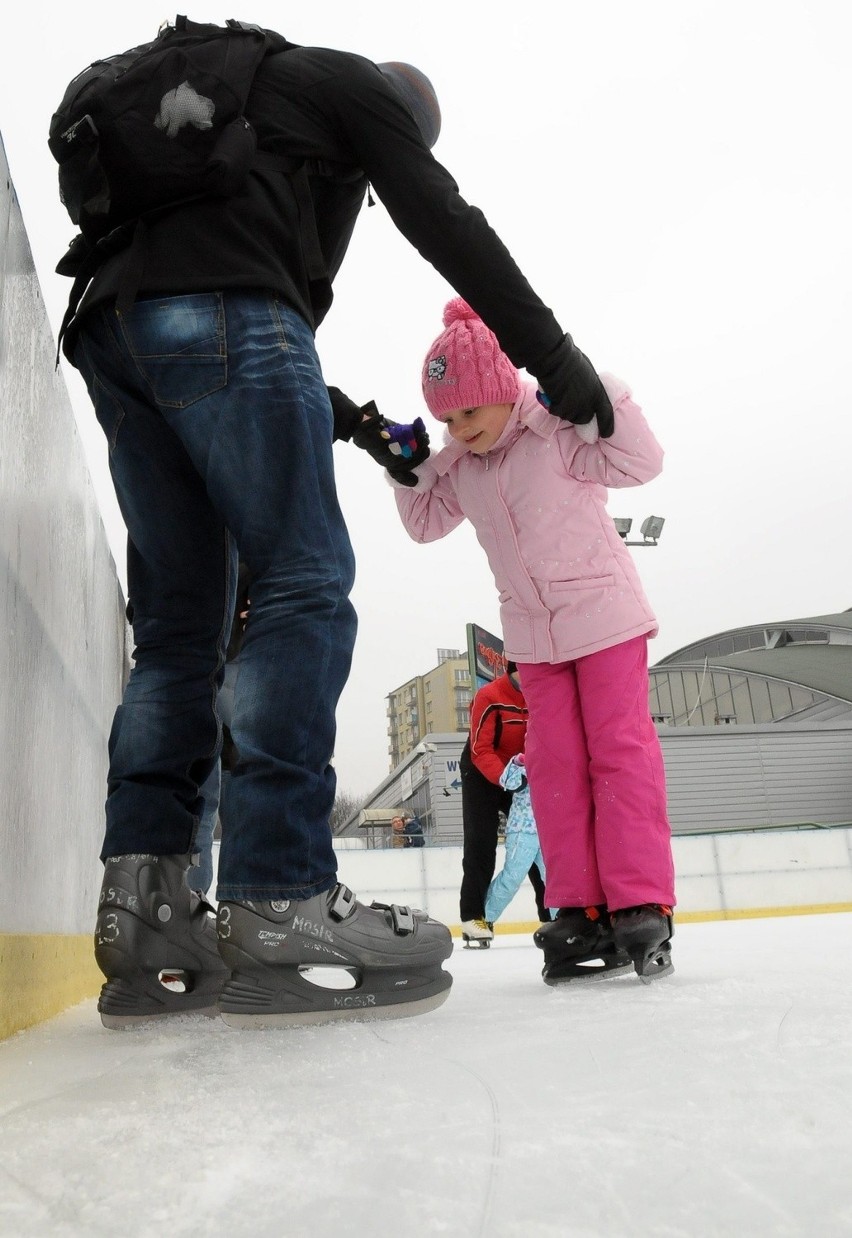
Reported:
(568, 585)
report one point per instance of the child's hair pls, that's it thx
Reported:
(465, 367)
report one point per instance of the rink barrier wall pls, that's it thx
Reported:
(63, 659)
(731, 876)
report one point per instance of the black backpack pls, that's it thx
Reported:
(155, 127)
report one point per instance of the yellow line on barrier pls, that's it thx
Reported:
(760, 913)
(42, 974)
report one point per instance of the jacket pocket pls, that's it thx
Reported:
(178, 345)
(587, 582)
(516, 625)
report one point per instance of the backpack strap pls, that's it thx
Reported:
(82, 261)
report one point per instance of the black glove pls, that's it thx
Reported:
(572, 389)
(397, 448)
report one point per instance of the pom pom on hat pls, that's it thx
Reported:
(458, 310)
(465, 367)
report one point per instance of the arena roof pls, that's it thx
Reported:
(821, 666)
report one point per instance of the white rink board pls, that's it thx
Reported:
(716, 874)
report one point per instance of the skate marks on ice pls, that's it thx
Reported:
(715, 1103)
(191, 1128)
(491, 1137)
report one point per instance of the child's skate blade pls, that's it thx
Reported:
(481, 943)
(247, 1002)
(649, 947)
(583, 970)
(653, 964)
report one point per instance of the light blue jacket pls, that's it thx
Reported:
(521, 819)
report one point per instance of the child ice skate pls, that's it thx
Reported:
(522, 845)
(576, 621)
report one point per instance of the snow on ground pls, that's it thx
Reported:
(715, 1102)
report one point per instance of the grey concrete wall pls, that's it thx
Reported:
(62, 640)
(718, 778)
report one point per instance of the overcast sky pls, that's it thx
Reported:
(674, 180)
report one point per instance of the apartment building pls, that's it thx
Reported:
(437, 702)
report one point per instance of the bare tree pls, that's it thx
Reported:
(345, 804)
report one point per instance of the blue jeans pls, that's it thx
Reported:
(219, 431)
(199, 875)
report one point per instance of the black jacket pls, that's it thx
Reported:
(336, 109)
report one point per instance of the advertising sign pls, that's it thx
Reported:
(484, 655)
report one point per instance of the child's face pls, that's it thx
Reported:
(478, 428)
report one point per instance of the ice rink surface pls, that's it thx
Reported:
(717, 1101)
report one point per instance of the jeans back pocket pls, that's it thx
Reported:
(178, 345)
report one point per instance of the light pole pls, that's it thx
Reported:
(651, 528)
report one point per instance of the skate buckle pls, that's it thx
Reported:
(403, 917)
(342, 903)
(403, 920)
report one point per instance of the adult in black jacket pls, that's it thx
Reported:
(210, 393)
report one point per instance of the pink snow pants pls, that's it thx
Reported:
(597, 780)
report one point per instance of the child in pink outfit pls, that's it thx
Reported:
(577, 622)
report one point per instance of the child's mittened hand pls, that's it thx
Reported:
(396, 448)
(409, 443)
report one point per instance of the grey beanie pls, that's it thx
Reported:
(418, 92)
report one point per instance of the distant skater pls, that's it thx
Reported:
(523, 850)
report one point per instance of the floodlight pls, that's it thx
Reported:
(652, 528)
(623, 525)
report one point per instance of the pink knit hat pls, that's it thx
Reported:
(465, 366)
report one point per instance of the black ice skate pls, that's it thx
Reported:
(477, 933)
(155, 941)
(284, 956)
(646, 934)
(578, 945)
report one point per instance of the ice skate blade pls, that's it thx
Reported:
(649, 970)
(120, 1022)
(481, 943)
(556, 976)
(305, 1018)
(123, 1003)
